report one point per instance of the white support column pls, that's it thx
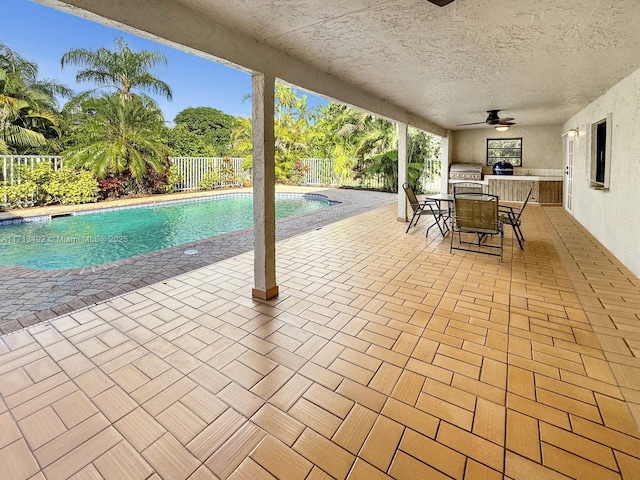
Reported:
(445, 161)
(402, 171)
(264, 187)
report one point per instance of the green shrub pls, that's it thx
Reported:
(41, 185)
(72, 187)
(173, 178)
(20, 195)
(210, 180)
(26, 190)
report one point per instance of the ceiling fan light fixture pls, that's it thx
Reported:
(441, 3)
(502, 128)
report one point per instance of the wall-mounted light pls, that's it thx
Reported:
(502, 128)
(574, 132)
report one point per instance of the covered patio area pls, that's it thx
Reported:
(384, 356)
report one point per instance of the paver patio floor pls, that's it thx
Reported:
(32, 296)
(384, 356)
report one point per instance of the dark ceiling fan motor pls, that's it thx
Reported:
(441, 3)
(492, 119)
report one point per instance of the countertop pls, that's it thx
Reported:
(531, 178)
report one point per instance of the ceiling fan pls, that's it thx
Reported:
(493, 119)
(441, 3)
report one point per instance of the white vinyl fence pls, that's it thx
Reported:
(228, 172)
(8, 164)
(321, 172)
(193, 169)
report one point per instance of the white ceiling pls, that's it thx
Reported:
(540, 61)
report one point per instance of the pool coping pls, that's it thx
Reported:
(40, 272)
(38, 295)
(35, 214)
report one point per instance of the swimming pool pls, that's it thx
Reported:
(91, 238)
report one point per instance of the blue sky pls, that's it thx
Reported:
(42, 35)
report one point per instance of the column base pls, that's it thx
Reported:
(403, 219)
(265, 294)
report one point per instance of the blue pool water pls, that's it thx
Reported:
(85, 240)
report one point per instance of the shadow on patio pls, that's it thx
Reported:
(383, 357)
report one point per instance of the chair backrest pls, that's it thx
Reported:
(526, 200)
(411, 196)
(467, 187)
(476, 211)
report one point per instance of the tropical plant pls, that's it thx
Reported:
(357, 142)
(210, 180)
(242, 140)
(184, 143)
(116, 135)
(222, 175)
(294, 133)
(121, 69)
(172, 179)
(421, 147)
(28, 108)
(212, 126)
(71, 186)
(352, 138)
(336, 137)
(42, 185)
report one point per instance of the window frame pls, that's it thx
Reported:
(503, 158)
(599, 143)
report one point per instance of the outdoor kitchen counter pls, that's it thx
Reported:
(524, 177)
(514, 188)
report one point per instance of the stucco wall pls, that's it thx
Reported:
(612, 216)
(541, 146)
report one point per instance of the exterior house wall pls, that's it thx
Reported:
(612, 216)
(541, 146)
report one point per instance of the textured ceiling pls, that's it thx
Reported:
(540, 61)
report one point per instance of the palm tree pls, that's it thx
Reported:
(115, 135)
(293, 133)
(346, 135)
(337, 137)
(28, 108)
(121, 69)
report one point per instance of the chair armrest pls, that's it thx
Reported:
(508, 210)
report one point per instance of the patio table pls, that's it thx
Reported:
(441, 216)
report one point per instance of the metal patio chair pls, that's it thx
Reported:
(425, 207)
(477, 215)
(467, 187)
(511, 216)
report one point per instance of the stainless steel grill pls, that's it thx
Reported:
(465, 171)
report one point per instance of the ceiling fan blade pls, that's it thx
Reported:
(492, 120)
(441, 3)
